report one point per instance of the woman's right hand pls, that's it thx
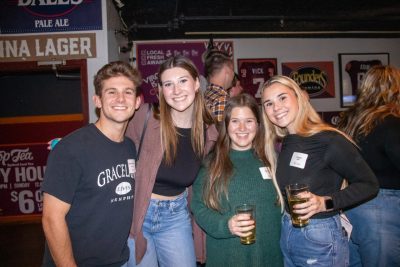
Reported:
(241, 224)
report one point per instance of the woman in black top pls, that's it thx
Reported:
(316, 154)
(374, 122)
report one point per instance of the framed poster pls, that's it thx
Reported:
(331, 117)
(352, 68)
(316, 78)
(254, 73)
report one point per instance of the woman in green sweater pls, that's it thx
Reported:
(236, 173)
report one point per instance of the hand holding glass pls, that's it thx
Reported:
(250, 210)
(293, 191)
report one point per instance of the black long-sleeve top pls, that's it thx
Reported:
(381, 150)
(322, 161)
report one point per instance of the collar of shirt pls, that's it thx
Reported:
(215, 90)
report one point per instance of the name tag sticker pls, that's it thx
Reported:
(131, 166)
(298, 160)
(265, 173)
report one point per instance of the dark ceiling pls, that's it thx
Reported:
(171, 19)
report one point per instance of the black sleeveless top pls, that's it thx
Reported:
(173, 180)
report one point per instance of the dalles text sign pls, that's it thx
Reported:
(33, 16)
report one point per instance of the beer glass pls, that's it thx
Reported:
(292, 193)
(251, 210)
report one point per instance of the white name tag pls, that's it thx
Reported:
(298, 160)
(131, 166)
(265, 173)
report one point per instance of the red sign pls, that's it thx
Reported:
(21, 174)
(254, 73)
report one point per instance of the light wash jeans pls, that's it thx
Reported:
(321, 243)
(375, 240)
(168, 230)
(149, 259)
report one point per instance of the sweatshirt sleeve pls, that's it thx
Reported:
(136, 123)
(346, 160)
(212, 222)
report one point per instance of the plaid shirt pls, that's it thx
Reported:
(216, 98)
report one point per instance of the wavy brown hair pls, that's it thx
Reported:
(200, 118)
(377, 97)
(306, 123)
(220, 167)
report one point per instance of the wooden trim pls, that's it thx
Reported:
(46, 118)
(21, 219)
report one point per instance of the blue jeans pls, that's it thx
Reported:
(149, 259)
(375, 240)
(321, 243)
(168, 230)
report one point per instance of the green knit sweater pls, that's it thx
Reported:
(246, 186)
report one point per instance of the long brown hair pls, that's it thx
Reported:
(220, 167)
(306, 123)
(200, 117)
(377, 97)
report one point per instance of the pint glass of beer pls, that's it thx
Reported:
(251, 210)
(292, 192)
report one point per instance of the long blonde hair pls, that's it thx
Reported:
(200, 117)
(306, 123)
(377, 97)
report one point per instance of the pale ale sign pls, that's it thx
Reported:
(32, 16)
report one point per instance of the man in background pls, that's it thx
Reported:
(219, 71)
(236, 88)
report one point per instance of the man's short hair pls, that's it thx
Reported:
(214, 61)
(115, 69)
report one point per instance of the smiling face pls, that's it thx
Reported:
(179, 90)
(242, 128)
(118, 100)
(281, 106)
